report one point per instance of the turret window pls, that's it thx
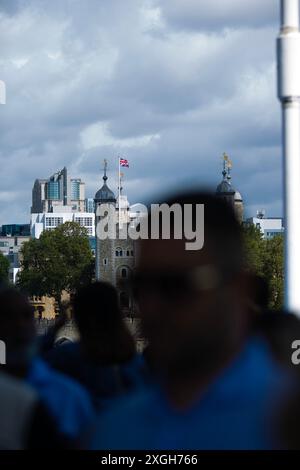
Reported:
(119, 252)
(124, 273)
(129, 253)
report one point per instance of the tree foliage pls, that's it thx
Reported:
(60, 260)
(4, 268)
(273, 270)
(264, 257)
(254, 248)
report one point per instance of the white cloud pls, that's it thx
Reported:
(98, 135)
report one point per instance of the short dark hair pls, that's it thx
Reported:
(97, 313)
(98, 300)
(221, 226)
(12, 302)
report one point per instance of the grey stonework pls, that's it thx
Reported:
(239, 210)
(115, 257)
(115, 264)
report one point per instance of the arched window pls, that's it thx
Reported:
(129, 252)
(124, 273)
(124, 300)
(119, 252)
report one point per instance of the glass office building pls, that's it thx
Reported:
(75, 189)
(15, 230)
(53, 189)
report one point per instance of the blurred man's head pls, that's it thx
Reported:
(99, 320)
(192, 303)
(96, 309)
(17, 327)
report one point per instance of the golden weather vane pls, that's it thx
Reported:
(227, 160)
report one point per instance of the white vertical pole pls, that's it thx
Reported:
(288, 54)
(290, 14)
(119, 189)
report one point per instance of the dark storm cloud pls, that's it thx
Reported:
(169, 84)
(10, 7)
(218, 14)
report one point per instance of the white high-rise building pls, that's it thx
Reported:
(51, 220)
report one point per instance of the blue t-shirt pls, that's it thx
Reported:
(103, 382)
(233, 412)
(66, 400)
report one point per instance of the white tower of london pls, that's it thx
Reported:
(115, 257)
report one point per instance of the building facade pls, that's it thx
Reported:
(10, 247)
(51, 220)
(15, 230)
(90, 205)
(115, 257)
(269, 226)
(56, 191)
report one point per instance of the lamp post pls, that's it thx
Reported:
(288, 57)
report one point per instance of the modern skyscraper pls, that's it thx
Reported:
(58, 190)
(75, 189)
(57, 200)
(89, 205)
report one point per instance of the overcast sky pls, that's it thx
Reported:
(168, 84)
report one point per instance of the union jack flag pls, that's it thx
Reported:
(124, 162)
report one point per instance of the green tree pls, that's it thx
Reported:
(60, 260)
(4, 268)
(264, 257)
(254, 249)
(274, 270)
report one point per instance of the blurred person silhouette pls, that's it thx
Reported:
(217, 384)
(25, 422)
(281, 331)
(47, 341)
(104, 360)
(259, 293)
(278, 328)
(288, 420)
(66, 401)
